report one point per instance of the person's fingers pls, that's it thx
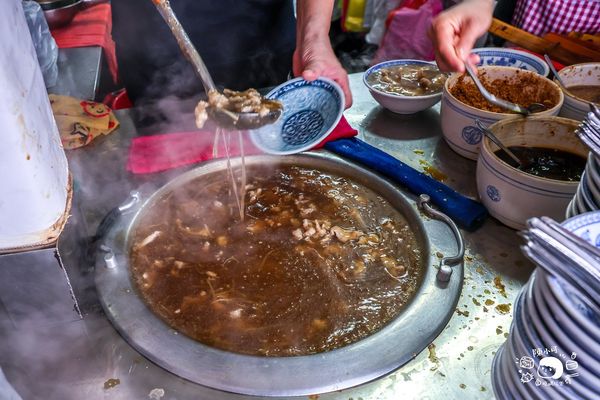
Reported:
(310, 74)
(468, 35)
(297, 66)
(473, 60)
(443, 36)
(345, 85)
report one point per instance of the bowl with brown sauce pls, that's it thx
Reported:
(405, 86)
(582, 88)
(553, 160)
(462, 103)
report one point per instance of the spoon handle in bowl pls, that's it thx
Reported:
(466, 212)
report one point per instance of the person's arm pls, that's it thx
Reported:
(314, 55)
(455, 30)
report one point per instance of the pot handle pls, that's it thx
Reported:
(467, 212)
(446, 263)
(113, 215)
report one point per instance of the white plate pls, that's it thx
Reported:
(588, 196)
(550, 307)
(576, 306)
(570, 209)
(594, 187)
(498, 383)
(562, 331)
(585, 226)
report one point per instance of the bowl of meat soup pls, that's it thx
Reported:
(462, 103)
(554, 160)
(405, 86)
(582, 83)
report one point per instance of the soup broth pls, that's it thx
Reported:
(319, 262)
(408, 80)
(586, 92)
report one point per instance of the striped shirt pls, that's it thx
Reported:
(557, 16)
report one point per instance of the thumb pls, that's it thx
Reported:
(310, 74)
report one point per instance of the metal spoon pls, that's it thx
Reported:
(493, 138)
(554, 71)
(224, 118)
(532, 108)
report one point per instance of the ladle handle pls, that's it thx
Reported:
(490, 97)
(188, 49)
(466, 212)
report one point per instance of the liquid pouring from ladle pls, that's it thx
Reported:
(224, 118)
(532, 108)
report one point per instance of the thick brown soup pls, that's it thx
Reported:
(586, 92)
(318, 263)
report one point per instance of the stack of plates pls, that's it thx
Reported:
(553, 348)
(587, 197)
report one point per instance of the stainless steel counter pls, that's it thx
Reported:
(70, 358)
(79, 72)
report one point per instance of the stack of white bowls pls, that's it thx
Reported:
(587, 197)
(553, 349)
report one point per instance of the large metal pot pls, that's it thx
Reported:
(59, 13)
(409, 333)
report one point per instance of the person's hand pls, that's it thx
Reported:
(317, 59)
(454, 32)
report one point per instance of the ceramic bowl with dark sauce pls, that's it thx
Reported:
(553, 160)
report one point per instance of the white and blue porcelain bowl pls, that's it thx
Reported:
(586, 226)
(396, 102)
(458, 118)
(311, 110)
(578, 74)
(511, 58)
(513, 196)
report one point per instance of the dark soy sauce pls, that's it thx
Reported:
(547, 163)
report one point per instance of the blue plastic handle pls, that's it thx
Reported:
(466, 212)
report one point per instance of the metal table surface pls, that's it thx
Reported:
(86, 358)
(79, 72)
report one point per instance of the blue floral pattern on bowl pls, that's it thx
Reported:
(472, 135)
(586, 226)
(511, 58)
(310, 112)
(493, 193)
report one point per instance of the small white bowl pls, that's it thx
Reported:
(458, 118)
(511, 58)
(513, 196)
(398, 103)
(575, 75)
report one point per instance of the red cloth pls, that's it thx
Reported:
(162, 152)
(91, 27)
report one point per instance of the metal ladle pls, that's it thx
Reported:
(532, 108)
(224, 118)
(493, 138)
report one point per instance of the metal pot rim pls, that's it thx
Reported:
(379, 354)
